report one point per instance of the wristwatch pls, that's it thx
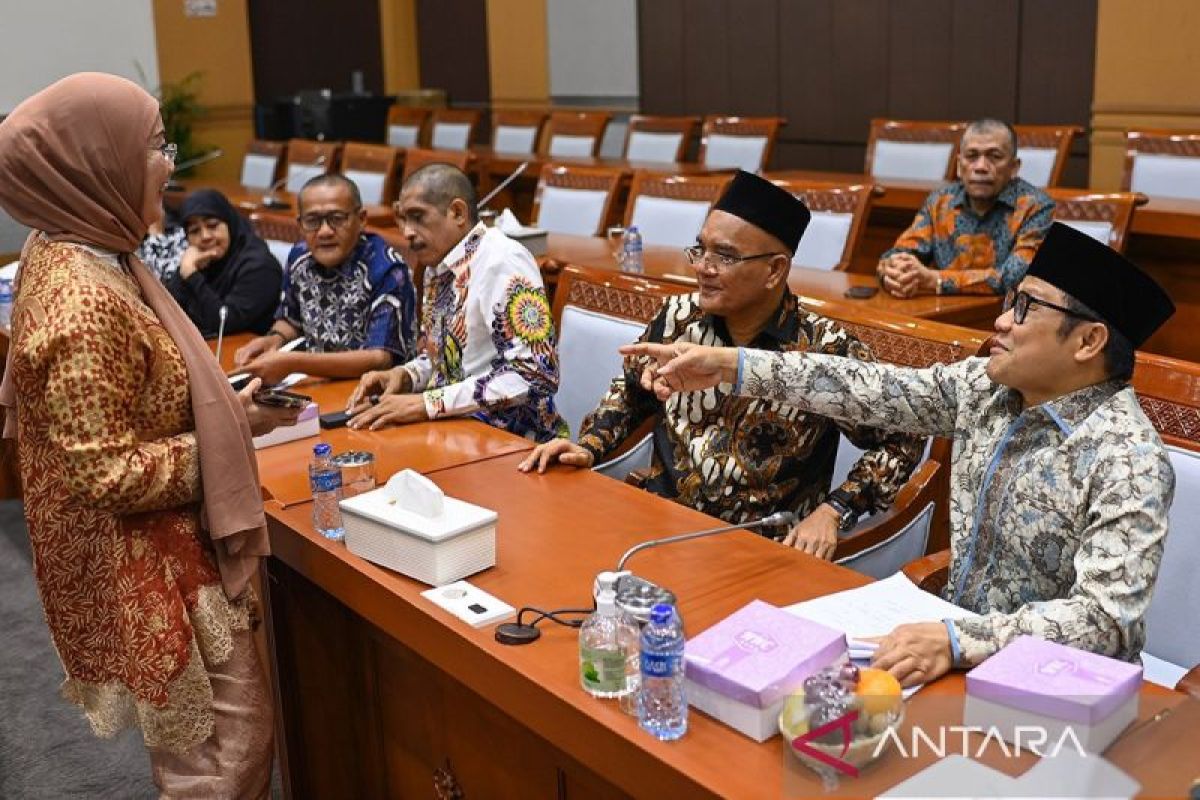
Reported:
(839, 500)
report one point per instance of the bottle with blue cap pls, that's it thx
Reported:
(662, 706)
(631, 251)
(325, 478)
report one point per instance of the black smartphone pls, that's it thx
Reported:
(239, 382)
(335, 419)
(281, 398)
(862, 292)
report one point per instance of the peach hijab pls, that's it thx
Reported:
(73, 166)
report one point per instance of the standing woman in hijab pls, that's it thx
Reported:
(141, 489)
(225, 264)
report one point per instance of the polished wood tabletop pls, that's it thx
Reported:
(1168, 216)
(670, 264)
(249, 200)
(555, 532)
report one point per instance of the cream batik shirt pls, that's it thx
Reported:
(1057, 511)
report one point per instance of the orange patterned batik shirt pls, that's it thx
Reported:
(976, 254)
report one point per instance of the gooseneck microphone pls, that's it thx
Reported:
(211, 155)
(222, 313)
(636, 596)
(271, 201)
(487, 198)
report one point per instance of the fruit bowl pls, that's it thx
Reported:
(861, 753)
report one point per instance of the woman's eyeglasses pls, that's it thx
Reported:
(169, 150)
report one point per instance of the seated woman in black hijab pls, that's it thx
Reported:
(225, 264)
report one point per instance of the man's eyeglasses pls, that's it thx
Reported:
(1020, 302)
(697, 254)
(335, 219)
(168, 149)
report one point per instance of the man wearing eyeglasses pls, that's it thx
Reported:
(735, 459)
(977, 234)
(1060, 486)
(348, 293)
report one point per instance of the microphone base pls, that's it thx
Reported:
(515, 633)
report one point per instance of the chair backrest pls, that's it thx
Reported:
(1163, 163)
(670, 209)
(912, 150)
(575, 200)
(575, 133)
(595, 312)
(517, 131)
(839, 219)
(307, 159)
(658, 138)
(453, 128)
(887, 556)
(280, 232)
(373, 168)
(1169, 393)
(1043, 150)
(739, 142)
(417, 157)
(406, 125)
(262, 164)
(1103, 216)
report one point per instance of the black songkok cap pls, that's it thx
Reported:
(1103, 280)
(766, 206)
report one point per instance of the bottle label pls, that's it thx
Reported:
(326, 481)
(602, 670)
(660, 665)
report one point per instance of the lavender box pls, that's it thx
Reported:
(1039, 686)
(743, 668)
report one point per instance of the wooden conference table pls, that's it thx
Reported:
(381, 694)
(670, 264)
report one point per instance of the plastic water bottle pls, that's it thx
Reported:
(6, 301)
(325, 477)
(631, 251)
(662, 707)
(608, 645)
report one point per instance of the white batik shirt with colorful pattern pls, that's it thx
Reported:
(1058, 511)
(488, 339)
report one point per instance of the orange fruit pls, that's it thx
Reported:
(879, 690)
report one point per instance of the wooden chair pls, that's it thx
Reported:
(262, 164)
(576, 200)
(373, 167)
(575, 133)
(839, 219)
(1169, 393)
(595, 312)
(739, 142)
(658, 138)
(1162, 163)
(670, 209)
(517, 131)
(908, 342)
(1043, 150)
(307, 159)
(279, 230)
(417, 157)
(406, 125)
(1105, 217)
(910, 150)
(453, 128)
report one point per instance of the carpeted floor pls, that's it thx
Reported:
(47, 749)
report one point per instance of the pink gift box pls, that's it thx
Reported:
(760, 653)
(1055, 680)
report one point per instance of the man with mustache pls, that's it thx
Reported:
(978, 234)
(1059, 484)
(488, 337)
(737, 459)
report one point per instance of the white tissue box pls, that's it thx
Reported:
(436, 550)
(307, 424)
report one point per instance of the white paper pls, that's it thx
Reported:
(1069, 774)
(956, 776)
(508, 223)
(877, 608)
(414, 492)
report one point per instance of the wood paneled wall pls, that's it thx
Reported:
(828, 66)
(452, 40)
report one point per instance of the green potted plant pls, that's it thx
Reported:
(180, 105)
